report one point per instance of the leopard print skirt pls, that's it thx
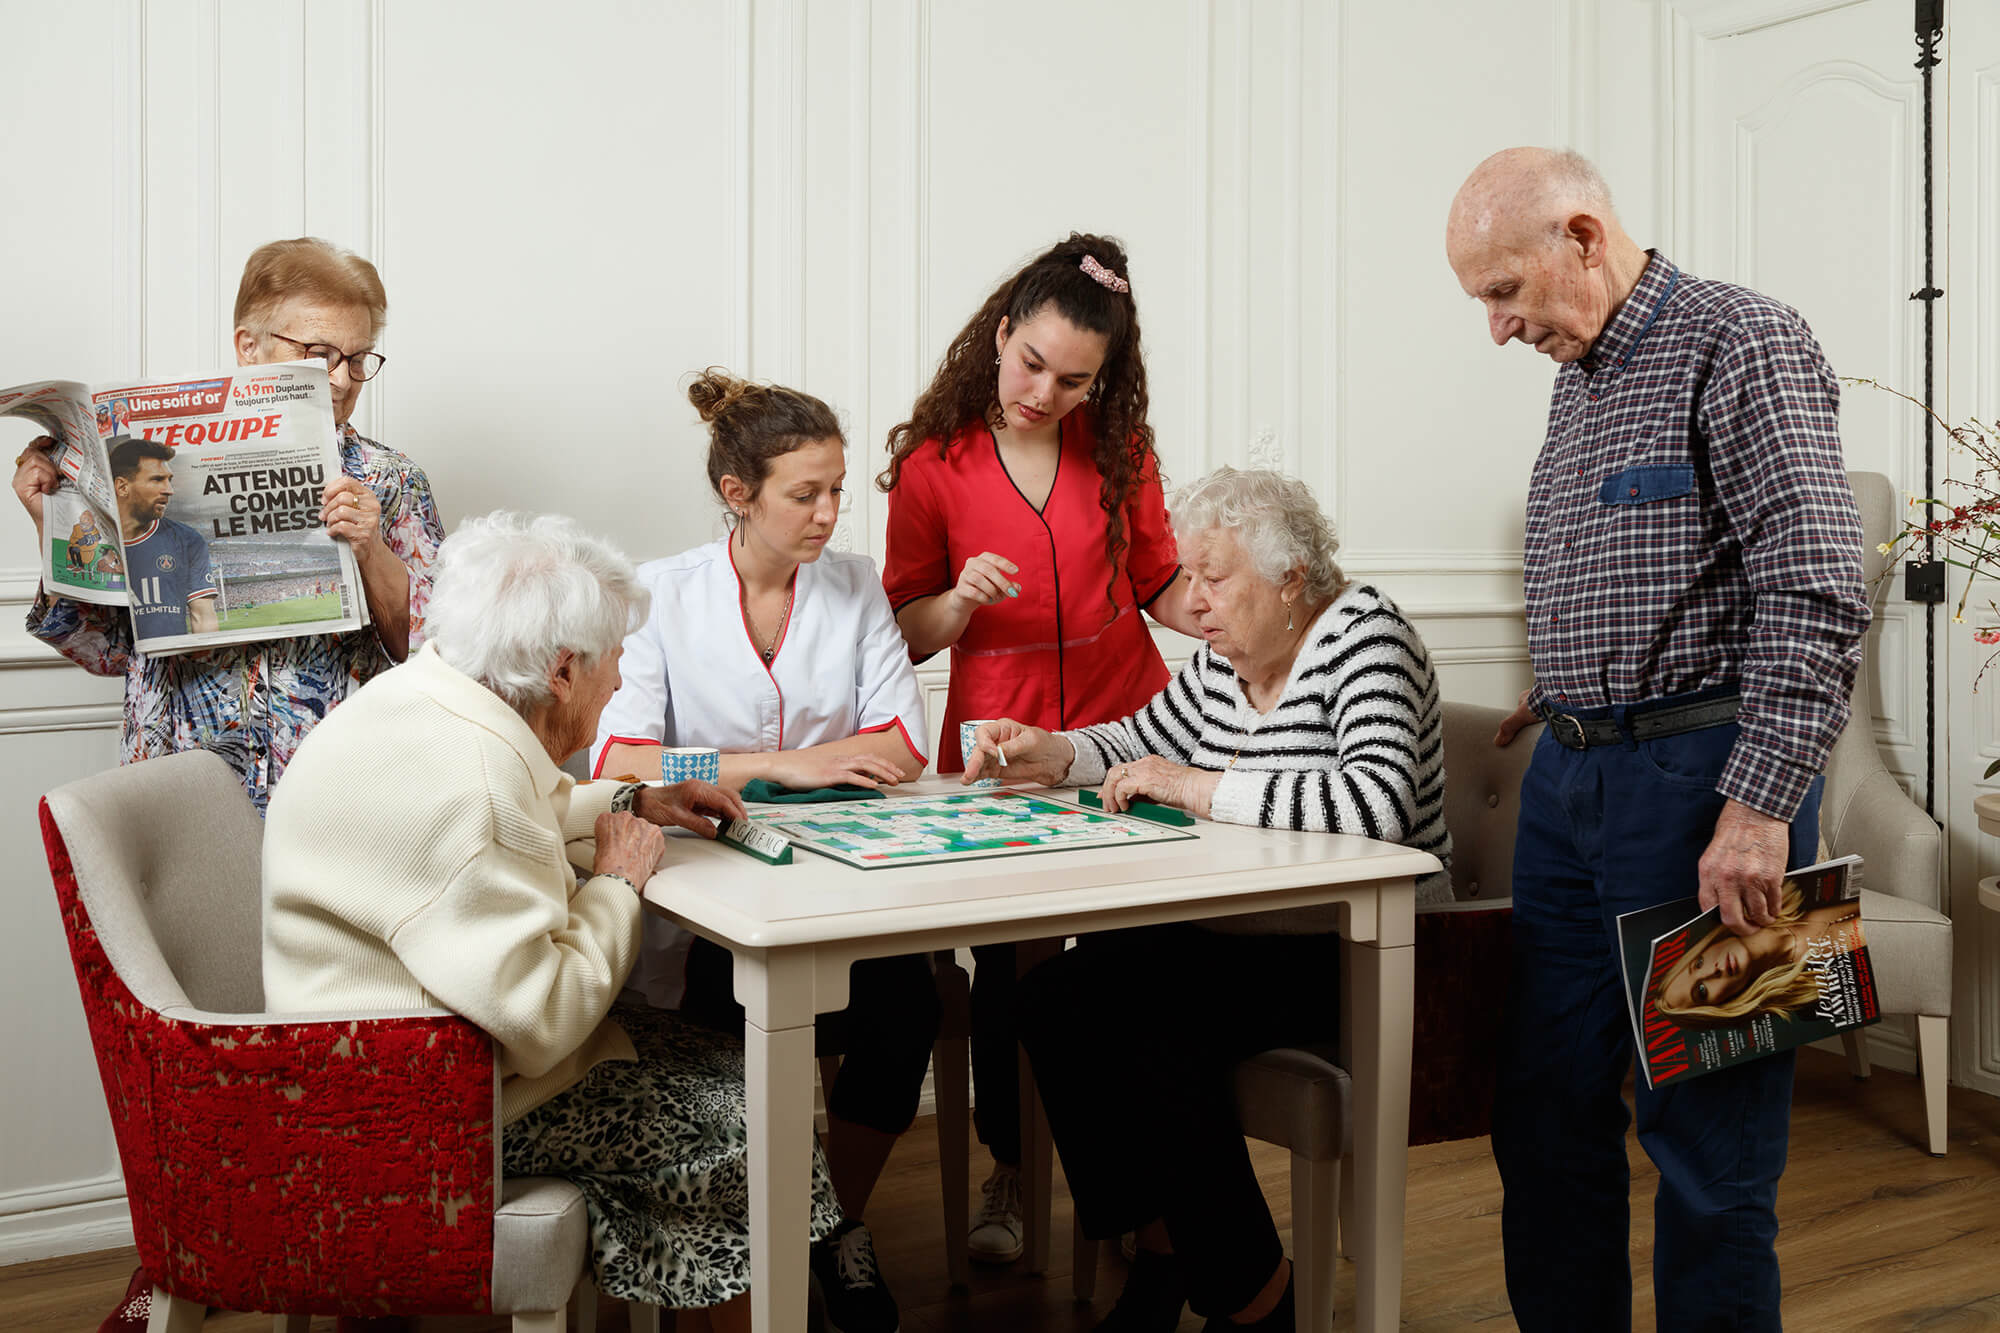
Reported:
(658, 1147)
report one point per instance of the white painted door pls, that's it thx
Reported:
(1797, 159)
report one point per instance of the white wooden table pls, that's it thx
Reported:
(795, 929)
(1987, 808)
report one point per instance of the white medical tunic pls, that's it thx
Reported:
(691, 676)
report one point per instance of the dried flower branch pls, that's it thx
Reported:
(1968, 530)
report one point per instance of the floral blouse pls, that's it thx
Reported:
(253, 703)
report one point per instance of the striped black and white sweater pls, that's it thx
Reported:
(1354, 745)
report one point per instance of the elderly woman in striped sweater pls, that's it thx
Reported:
(1312, 704)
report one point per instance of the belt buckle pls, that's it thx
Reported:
(1556, 722)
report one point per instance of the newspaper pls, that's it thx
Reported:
(220, 540)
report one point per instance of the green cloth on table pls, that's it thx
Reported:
(763, 791)
(1146, 810)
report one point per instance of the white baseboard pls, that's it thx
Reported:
(77, 1228)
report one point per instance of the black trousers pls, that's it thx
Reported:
(996, 1060)
(884, 1035)
(1134, 1036)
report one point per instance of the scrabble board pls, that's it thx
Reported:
(961, 826)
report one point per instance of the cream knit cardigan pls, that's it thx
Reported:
(414, 856)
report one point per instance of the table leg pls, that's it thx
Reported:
(1037, 1148)
(1383, 992)
(776, 990)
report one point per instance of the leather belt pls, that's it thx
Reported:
(1581, 733)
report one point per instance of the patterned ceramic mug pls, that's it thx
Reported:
(967, 743)
(679, 763)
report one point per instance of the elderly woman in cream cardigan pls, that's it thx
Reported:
(416, 853)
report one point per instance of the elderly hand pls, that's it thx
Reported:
(35, 476)
(1744, 868)
(685, 803)
(352, 513)
(1032, 755)
(628, 846)
(1155, 779)
(1510, 725)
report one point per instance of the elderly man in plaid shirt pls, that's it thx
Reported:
(1695, 612)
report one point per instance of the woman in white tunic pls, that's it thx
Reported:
(785, 657)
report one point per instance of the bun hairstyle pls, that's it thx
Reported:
(750, 425)
(965, 389)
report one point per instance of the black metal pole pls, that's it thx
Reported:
(1930, 30)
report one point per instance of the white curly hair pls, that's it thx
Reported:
(1276, 521)
(511, 591)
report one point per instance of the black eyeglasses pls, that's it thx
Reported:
(363, 366)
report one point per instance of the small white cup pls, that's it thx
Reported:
(968, 742)
(682, 762)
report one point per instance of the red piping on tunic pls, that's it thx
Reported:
(597, 769)
(897, 723)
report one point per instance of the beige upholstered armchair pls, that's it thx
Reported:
(1464, 947)
(1866, 811)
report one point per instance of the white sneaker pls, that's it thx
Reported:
(997, 1234)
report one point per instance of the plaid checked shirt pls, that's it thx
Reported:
(1690, 526)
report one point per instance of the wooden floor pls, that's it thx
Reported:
(1877, 1234)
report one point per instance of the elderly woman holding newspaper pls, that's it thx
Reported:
(299, 299)
(253, 703)
(1311, 704)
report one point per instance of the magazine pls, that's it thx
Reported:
(195, 504)
(1703, 998)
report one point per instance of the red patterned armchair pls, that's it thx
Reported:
(289, 1164)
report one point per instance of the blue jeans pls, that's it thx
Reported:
(1603, 832)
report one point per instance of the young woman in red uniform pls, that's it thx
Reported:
(1028, 534)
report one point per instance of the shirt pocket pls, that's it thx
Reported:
(1646, 483)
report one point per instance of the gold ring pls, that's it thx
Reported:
(353, 499)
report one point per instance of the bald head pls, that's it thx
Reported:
(1533, 238)
(1520, 194)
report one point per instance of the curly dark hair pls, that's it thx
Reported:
(966, 385)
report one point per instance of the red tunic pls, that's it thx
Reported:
(1061, 654)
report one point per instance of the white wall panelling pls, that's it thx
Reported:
(572, 214)
(60, 1186)
(1969, 724)
(78, 199)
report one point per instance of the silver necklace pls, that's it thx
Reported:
(770, 648)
